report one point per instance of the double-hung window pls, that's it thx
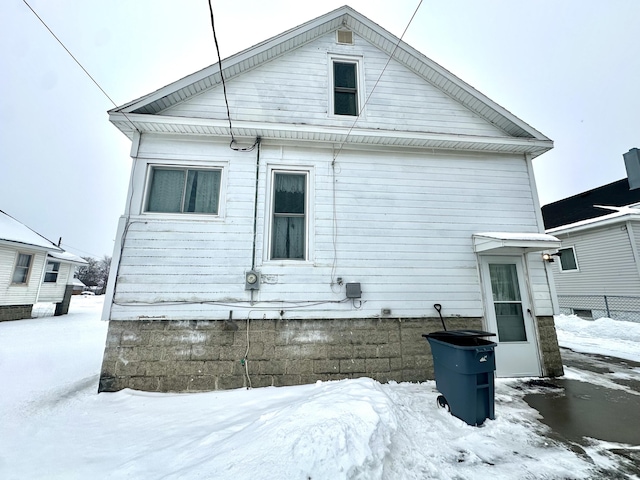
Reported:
(21, 271)
(51, 273)
(345, 88)
(184, 190)
(289, 215)
(346, 85)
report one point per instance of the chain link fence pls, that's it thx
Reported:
(598, 306)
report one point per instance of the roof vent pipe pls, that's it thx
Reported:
(632, 163)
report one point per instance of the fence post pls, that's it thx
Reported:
(606, 306)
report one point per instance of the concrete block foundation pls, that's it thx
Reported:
(196, 356)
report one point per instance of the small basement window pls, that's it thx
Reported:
(184, 190)
(582, 313)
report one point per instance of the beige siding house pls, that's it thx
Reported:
(311, 240)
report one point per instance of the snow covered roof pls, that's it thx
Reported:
(68, 257)
(13, 231)
(146, 113)
(486, 241)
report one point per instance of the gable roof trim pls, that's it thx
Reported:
(267, 50)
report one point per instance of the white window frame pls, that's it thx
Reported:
(575, 259)
(222, 167)
(29, 268)
(308, 220)
(358, 62)
(51, 269)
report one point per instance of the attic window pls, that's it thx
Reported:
(345, 88)
(345, 37)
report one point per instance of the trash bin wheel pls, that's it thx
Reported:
(442, 402)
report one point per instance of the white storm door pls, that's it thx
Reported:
(509, 316)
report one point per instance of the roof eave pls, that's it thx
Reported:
(159, 124)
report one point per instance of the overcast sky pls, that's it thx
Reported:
(569, 68)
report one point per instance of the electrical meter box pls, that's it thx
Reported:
(353, 290)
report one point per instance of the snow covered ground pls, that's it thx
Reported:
(53, 425)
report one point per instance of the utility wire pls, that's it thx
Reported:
(378, 80)
(76, 60)
(224, 88)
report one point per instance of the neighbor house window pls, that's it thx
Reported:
(567, 259)
(289, 215)
(23, 265)
(51, 274)
(182, 190)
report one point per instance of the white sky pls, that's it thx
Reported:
(569, 68)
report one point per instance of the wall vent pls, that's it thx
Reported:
(345, 37)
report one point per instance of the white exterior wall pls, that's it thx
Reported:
(295, 89)
(606, 264)
(404, 225)
(11, 294)
(54, 292)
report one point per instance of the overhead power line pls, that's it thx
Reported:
(224, 88)
(76, 60)
(378, 80)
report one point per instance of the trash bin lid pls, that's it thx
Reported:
(444, 334)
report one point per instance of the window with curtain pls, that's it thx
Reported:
(507, 302)
(177, 190)
(23, 265)
(345, 88)
(567, 259)
(288, 224)
(51, 273)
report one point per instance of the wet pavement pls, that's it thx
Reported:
(596, 403)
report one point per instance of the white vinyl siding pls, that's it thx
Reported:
(54, 291)
(13, 293)
(606, 261)
(294, 89)
(403, 220)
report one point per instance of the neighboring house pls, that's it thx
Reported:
(78, 286)
(316, 247)
(32, 269)
(598, 268)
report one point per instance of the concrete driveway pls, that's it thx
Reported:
(596, 405)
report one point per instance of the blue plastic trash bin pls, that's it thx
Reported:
(464, 366)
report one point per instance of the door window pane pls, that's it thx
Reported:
(510, 322)
(507, 302)
(504, 282)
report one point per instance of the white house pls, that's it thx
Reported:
(32, 269)
(312, 238)
(597, 271)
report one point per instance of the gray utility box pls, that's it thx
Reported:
(464, 366)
